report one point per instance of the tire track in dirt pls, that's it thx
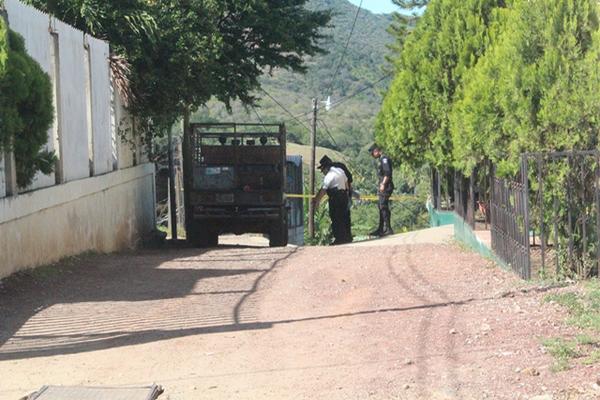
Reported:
(426, 321)
(237, 310)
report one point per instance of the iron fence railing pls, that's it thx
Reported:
(564, 211)
(545, 220)
(509, 225)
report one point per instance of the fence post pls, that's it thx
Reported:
(540, 167)
(187, 162)
(569, 213)
(525, 182)
(597, 199)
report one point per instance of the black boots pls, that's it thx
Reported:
(387, 230)
(387, 226)
(376, 232)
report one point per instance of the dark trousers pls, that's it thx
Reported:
(348, 221)
(384, 210)
(340, 216)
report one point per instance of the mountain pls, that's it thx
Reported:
(351, 122)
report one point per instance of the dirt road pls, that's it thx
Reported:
(426, 321)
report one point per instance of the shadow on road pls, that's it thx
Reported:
(99, 302)
(113, 301)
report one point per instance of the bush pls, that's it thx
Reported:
(26, 111)
(3, 46)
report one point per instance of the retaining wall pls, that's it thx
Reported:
(104, 214)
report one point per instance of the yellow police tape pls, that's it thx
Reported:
(368, 197)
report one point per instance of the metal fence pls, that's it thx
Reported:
(564, 211)
(547, 221)
(508, 209)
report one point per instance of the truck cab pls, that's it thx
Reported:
(235, 182)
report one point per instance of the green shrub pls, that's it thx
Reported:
(26, 111)
(3, 46)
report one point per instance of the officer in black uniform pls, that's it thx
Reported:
(348, 219)
(384, 191)
(335, 185)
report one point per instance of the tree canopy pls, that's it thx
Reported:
(486, 80)
(536, 89)
(447, 41)
(403, 23)
(182, 53)
(26, 111)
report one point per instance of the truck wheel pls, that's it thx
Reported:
(278, 237)
(200, 237)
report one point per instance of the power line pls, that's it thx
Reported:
(359, 91)
(257, 114)
(259, 117)
(285, 109)
(345, 49)
(329, 133)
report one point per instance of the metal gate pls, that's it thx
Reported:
(509, 222)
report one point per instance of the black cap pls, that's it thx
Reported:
(325, 162)
(373, 147)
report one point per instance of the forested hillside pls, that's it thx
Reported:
(351, 122)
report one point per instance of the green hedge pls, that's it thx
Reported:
(26, 111)
(3, 45)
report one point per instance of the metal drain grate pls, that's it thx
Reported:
(96, 393)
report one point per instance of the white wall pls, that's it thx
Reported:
(83, 135)
(72, 106)
(33, 26)
(100, 101)
(70, 212)
(103, 214)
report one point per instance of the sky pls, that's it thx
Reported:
(377, 6)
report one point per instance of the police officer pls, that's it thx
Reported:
(335, 185)
(385, 189)
(342, 166)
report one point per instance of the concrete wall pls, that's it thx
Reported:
(33, 26)
(104, 213)
(72, 103)
(100, 106)
(92, 132)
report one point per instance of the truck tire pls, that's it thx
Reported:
(278, 236)
(203, 237)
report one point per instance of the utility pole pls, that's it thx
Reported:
(311, 206)
(172, 195)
